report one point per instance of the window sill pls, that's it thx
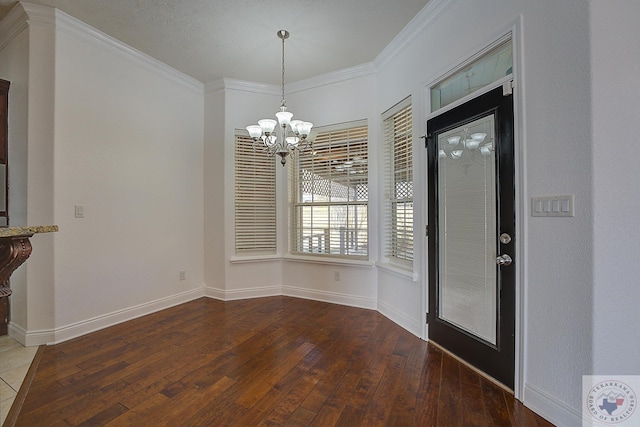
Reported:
(398, 270)
(327, 261)
(254, 258)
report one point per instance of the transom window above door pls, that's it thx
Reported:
(488, 68)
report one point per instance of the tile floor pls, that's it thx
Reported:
(14, 364)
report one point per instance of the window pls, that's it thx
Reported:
(255, 199)
(399, 183)
(488, 68)
(330, 194)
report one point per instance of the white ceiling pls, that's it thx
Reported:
(211, 39)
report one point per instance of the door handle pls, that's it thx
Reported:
(504, 260)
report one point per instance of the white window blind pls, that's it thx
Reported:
(399, 184)
(331, 193)
(255, 199)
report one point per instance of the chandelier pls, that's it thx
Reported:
(291, 136)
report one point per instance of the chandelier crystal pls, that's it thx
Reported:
(290, 136)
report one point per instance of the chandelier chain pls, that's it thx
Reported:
(283, 102)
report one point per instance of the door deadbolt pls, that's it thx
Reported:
(505, 238)
(504, 260)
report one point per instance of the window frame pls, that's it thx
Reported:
(353, 146)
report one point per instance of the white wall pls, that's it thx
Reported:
(558, 161)
(122, 135)
(129, 148)
(615, 65)
(400, 297)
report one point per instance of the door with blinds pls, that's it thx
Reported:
(471, 197)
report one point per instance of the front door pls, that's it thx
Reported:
(472, 233)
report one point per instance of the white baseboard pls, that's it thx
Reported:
(19, 334)
(290, 291)
(246, 293)
(550, 408)
(332, 297)
(400, 318)
(64, 333)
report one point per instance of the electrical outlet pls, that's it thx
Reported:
(336, 276)
(183, 275)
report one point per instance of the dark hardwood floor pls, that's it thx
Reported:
(269, 362)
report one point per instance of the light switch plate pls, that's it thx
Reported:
(79, 210)
(552, 205)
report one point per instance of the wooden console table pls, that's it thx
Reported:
(15, 248)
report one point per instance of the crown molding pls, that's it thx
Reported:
(39, 14)
(299, 86)
(214, 86)
(425, 17)
(78, 29)
(243, 86)
(366, 69)
(25, 14)
(12, 25)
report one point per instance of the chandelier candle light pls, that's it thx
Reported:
(292, 135)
